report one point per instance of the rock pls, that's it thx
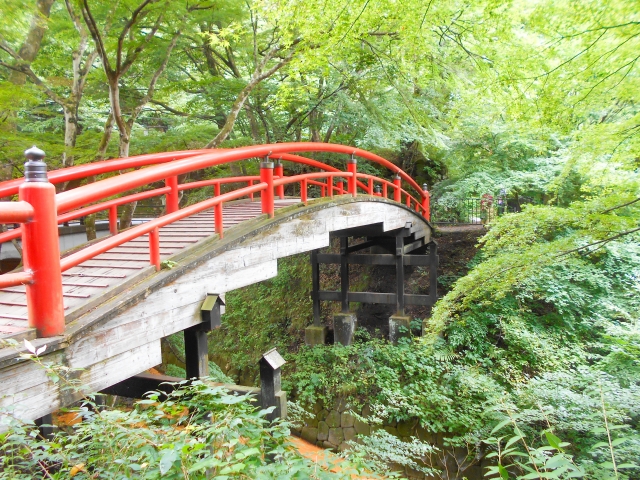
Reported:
(333, 419)
(390, 422)
(425, 436)
(323, 414)
(349, 433)
(405, 428)
(366, 410)
(473, 473)
(323, 431)
(391, 430)
(311, 421)
(318, 407)
(336, 436)
(362, 428)
(343, 446)
(310, 434)
(328, 445)
(346, 420)
(342, 404)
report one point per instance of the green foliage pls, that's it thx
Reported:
(198, 432)
(260, 317)
(403, 382)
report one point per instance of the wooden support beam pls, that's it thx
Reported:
(374, 259)
(196, 348)
(412, 246)
(196, 352)
(433, 271)
(399, 276)
(375, 297)
(344, 274)
(45, 426)
(315, 281)
(138, 385)
(361, 246)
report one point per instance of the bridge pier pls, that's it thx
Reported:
(405, 246)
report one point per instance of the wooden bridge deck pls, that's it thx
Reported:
(84, 284)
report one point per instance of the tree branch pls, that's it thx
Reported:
(127, 27)
(599, 242)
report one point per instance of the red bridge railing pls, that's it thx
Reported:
(40, 210)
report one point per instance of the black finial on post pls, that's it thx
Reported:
(425, 187)
(35, 170)
(378, 189)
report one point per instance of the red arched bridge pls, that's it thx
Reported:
(101, 309)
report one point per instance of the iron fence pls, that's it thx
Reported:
(472, 211)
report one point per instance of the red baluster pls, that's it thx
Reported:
(278, 171)
(173, 196)
(303, 190)
(154, 248)
(113, 219)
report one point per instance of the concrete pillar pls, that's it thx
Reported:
(399, 327)
(315, 335)
(344, 326)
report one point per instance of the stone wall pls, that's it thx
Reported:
(332, 426)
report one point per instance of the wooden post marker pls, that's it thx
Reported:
(271, 394)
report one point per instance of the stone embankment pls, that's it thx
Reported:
(332, 426)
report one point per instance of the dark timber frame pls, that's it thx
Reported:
(399, 248)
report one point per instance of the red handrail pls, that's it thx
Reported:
(168, 167)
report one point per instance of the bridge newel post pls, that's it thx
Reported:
(266, 176)
(352, 182)
(378, 191)
(426, 202)
(173, 196)
(113, 220)
(397, 193)
(41, 248)
(278, 171)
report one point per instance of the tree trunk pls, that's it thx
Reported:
(126, 217)
(233, 115)
(31, 46)
(70, 134)
(90, 220)
(28, 52)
